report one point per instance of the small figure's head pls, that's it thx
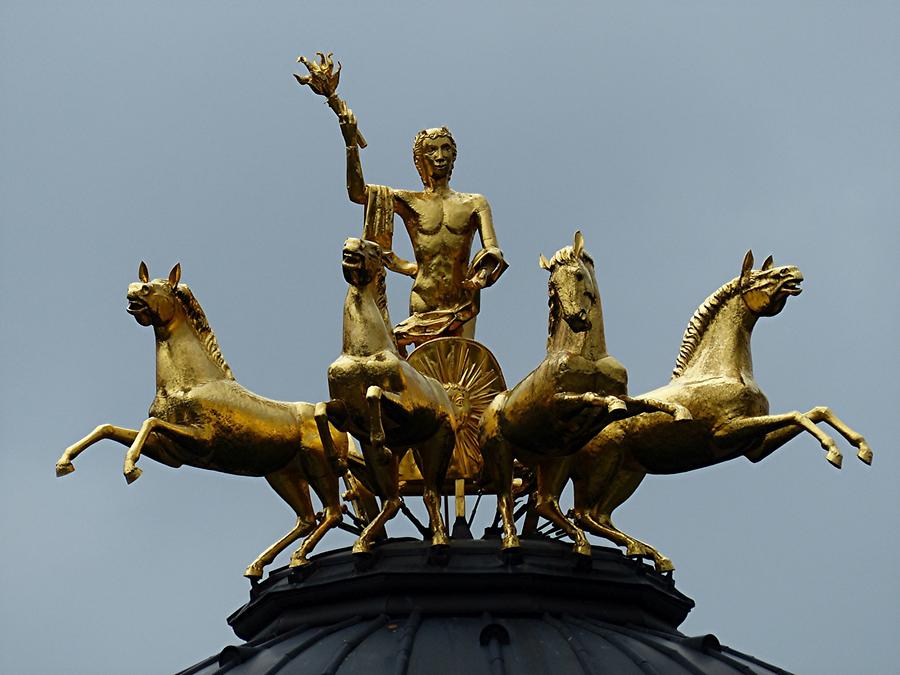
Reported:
(434, 152)
(572, 287)
(766, 290)
(154, 302)
(361, 261)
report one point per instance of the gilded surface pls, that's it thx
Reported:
(202, 417)
(442, 420)
(729, 414)
(441, 224)
(385, 403)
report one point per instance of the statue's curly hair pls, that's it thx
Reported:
(419, 143)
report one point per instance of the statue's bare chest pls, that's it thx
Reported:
(442, 216)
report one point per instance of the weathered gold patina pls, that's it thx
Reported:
(575, 391)
(729, 414)
(202, 417)
(441, 224)
(385, 403)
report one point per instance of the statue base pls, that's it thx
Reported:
(473, 612)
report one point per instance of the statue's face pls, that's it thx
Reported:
(437, 157)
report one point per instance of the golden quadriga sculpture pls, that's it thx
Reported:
(445, 409)
(202, 417)
(728, 412)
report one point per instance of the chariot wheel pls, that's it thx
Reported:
(472, 377)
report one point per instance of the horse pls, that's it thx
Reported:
(385, 403)
(576, 390)
(202, 417)
(713, 379)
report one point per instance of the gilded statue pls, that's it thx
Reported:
(202, 417)
(729, 414)
(558, 407)
(385, 403)
(441, 224)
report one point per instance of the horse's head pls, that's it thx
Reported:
(361, 261)
(766, 290)
(572, 287)
(154, 302)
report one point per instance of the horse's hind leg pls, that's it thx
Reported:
(386, 481)
(498, 464)
(119, 434)
(433, 459)
(551, 478)
(597, 518)
(325, 485)
(292, 488)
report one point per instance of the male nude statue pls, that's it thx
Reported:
(441, 224)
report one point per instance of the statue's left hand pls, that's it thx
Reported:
(486, 268)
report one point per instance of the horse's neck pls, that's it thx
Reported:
(364, 329)
(724, 349)
(591, 344)
(182, 361)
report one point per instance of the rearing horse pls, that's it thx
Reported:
(202, 417)
(713, 379)
(575, 391)
(385, 403)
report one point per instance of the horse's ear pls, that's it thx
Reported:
(175, 275)
(768, 264)
(578, 246)
(544, 263)
(143, 272)
(748, 265)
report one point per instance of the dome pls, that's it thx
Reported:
(473, 612)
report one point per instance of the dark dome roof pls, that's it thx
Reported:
(472, 613)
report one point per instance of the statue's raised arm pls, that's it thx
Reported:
(441, 224)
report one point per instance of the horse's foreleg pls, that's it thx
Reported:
(614, 405)
(119, 434)
(376, 425)
(773, 431)
(856, 440)
(551, 478)
(775, 439)
(292, 488)
(336, 459)
(151, 424)
(641, 405)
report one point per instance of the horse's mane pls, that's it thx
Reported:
(197, 317)
(700, 322)
(561, 257)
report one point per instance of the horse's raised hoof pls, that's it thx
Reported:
(65, 468)
(438, 555)
(834, 458)
(133, 475)
(254, 571)
(865, 454)
(617, 409)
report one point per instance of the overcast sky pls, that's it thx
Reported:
(675, 135)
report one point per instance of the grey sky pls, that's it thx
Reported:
(675, 135)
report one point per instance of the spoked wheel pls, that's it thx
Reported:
(472, 378)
